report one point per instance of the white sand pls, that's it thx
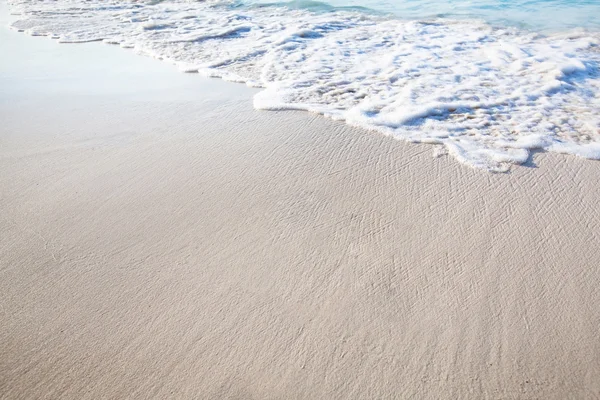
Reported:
(162, 239)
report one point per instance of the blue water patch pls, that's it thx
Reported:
(536, 15)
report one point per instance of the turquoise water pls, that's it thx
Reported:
(536, 15)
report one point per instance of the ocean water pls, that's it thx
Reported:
(539, 15)
(487, 81)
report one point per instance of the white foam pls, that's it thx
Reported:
(488, 95)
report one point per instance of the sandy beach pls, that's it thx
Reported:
(163, 239)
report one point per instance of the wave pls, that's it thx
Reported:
(488, 95)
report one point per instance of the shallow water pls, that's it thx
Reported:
(488, 93)
(540, 15)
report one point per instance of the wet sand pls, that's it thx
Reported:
(162, 239)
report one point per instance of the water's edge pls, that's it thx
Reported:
(490, 96)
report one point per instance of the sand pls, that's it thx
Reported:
(162, 239)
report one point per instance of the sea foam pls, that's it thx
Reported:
(489, 95)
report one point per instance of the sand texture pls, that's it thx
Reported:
(162, 239)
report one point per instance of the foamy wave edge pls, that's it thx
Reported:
(489, 96)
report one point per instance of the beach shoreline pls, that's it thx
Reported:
(163, 239)
(487, 96)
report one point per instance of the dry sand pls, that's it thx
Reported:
(162, 239)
